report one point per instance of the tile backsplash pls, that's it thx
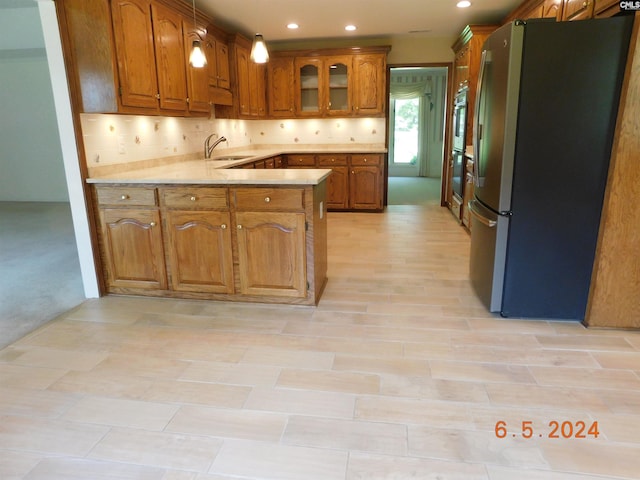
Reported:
(121, 139)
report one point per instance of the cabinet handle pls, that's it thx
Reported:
(267, 199)
(124, 197)
(333, 159)
(157, 96)
(152, 224)
(193, 198)
(223, 226)
(239, 227)
(353, 171)
(365, 160)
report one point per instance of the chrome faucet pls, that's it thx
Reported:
(209, 148)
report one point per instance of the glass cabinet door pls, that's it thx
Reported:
(308, 73)
(338, 80)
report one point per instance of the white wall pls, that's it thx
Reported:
(30, 156)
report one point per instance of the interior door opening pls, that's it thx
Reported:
(417, 106)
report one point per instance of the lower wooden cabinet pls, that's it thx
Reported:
(271, 253)
(338, 181)
(199, 248)
(255, 243)
(133, 248)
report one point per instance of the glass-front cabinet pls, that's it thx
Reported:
(323, 85)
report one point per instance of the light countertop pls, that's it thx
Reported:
(218, 170)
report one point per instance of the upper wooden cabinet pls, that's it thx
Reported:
(137, 58)
(280, 75)
(217, 51)
(325, 83)
(577, 9)
(369, 84)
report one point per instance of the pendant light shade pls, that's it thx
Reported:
(259, 52)
(197, 58)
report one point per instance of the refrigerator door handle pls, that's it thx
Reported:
(477, 126)
(473, 209)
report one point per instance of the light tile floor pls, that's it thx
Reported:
(399, 373)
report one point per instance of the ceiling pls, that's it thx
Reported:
(374, 18)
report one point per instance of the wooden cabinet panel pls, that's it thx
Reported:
(304, 161)
(257, 87)
(169, 47)
(271, 251)
(200, 253)
(366, 159)
(222, 63)
(365, 188)
(280, 73)
(244, 95)
(289, 199)
(605, 8)
(552, 9)
(338, 75)
(126, 196)
(577, 9)
(338, 188)
(133, 248)
(369, 81)
(195, 197)
(133, 35)
(197, 78)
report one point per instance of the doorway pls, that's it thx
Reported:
(417, 106)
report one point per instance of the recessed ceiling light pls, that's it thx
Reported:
(463, 4)
(292, 26)
(350, 28)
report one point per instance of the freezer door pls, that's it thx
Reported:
(488, 251)
(495, 117)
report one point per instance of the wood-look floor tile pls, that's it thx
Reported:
(19, 376)
(15, 465)
(231, 423)
(56, 358)
(157, 449)
(622, 401)
(49, 436)
(288, 358)
(591, 342)
(105, 384)
(484, 372)
(36, 403)
(474, 447)
(413, 411)
(377, 365)
(586, 377)
(510, 473)
(71, 468)
(348, 435)
(197, 393)
(269, 461)
(382, 467)
(619, 428)
(301, 402)
(432, 389)
(267, 325)
(232, 373)
(345, 382)
(142, 365)
(121, 412)
(618, 360)
(536, 396)
(593, 457)
(486, 418)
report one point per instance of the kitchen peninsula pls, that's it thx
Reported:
(202, 229)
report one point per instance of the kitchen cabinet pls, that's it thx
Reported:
(257, 90)
(369, 84)
(197, 225)
(577, 9)
(217, 52)
(365, 182)
(605, 8)
(280, 77)
(232, 243)
(323, 87)
(271, 241)
(131, 238)
(338, 181)
(197, 78)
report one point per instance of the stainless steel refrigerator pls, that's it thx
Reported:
(545, 115)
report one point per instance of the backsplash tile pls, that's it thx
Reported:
(121, 139)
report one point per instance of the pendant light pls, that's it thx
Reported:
(259, 52)
(197, 58)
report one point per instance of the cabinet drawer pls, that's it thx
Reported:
(301, 160)
(194, 198)
(121, 196)
(366, 159)
(331, 160)
(269, 199)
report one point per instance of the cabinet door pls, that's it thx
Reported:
(577, 9)
(307, 81)
(338, 188)
(365, 188)
(169, 45)
(552, 9)
(210, 47)
(280, 73)
(369, 73)
(271, 253)
(197, 78)
(133, 34)
(200, 252)
(336, 92)
(222, 63)
(244, 95)
(257, 87)
(132, 241)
